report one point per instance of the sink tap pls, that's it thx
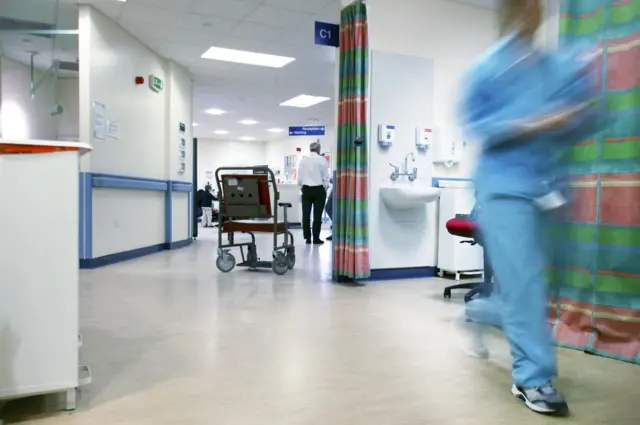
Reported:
(406, 162)
(414, 174)
(396, 172)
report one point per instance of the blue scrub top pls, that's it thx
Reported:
(512, 82)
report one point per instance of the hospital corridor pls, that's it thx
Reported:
(319, 212)
(171, 340)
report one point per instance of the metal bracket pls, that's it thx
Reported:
(53, 70)
(41, 32)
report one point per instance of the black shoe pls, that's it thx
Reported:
(308, 241)
(330, 238)
(318, 242)
(545, 400)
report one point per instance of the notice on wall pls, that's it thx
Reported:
(99, 121)
(208, 176)
(182, 149)
(114, 129)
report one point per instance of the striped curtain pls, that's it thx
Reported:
(350, 227)
(596, 304)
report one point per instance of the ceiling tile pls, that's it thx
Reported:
(155, 16)
(234, 9)
(175, 5)
(179, 52)
(193, 38)
(257, 32)
(205, 24)
(308, 6)
(278, 17)
(112, 9)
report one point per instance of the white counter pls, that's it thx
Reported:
(291, 193)
(39, 268)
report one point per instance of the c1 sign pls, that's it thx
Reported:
(327, 34)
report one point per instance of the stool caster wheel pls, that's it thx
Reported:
(447, 293)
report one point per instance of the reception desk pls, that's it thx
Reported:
(291, 193)
(39, 188)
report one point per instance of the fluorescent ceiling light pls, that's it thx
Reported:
(221, 132)
(304, 101)
(249, 122)
(214, 111)
(275, 130)
(195, 124)
(247, 139)
(249, 58)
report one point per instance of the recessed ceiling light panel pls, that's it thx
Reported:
(275, 130)
(221, 132)
(247, 139)
(249, 122)
(245, 57)
(215, 111)
(304, 101)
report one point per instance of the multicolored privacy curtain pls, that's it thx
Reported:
(596, 307)
(350, 227)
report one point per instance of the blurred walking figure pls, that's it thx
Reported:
(207, 207)
(313, 179)
(329, 209)
(526, 108)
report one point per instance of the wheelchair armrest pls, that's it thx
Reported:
(285, 204)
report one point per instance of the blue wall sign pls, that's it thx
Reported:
(316, 130)
(327, 34)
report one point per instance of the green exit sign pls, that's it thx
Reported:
(156, 83)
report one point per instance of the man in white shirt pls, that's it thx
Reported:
(313, 179)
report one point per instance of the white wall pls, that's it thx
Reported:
(453, 35)
(20, 116)
(404, 239)
(213, 154)
(110, 59)
(277, 149)
(421, 50)
(114, 60)
(68, 93)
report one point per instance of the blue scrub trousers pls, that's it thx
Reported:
(513, 233)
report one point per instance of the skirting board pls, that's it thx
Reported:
(396, 274)
(95, 263)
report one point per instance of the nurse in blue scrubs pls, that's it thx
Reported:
(526, 108)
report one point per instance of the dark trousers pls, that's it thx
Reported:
(313, 197)
(329, 207)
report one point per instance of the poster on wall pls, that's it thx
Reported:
(208, 176)
(182, 152)
(99, 112)
(114, 129)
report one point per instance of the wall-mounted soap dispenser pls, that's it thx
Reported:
(424, 138)
(386, 135)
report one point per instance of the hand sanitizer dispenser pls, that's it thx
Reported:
(424, 136)
(386, 135)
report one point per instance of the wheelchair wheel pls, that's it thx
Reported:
(280, 264)
(225, 262)
(291, 258)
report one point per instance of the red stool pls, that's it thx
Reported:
(466, 228)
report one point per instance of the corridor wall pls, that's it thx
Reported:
(129, 212)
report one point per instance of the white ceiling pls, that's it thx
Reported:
(183, 29)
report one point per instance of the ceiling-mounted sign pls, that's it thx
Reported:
(156, 84)
(307, 130)
(327, 34)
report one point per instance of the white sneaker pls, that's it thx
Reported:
(475, 335)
